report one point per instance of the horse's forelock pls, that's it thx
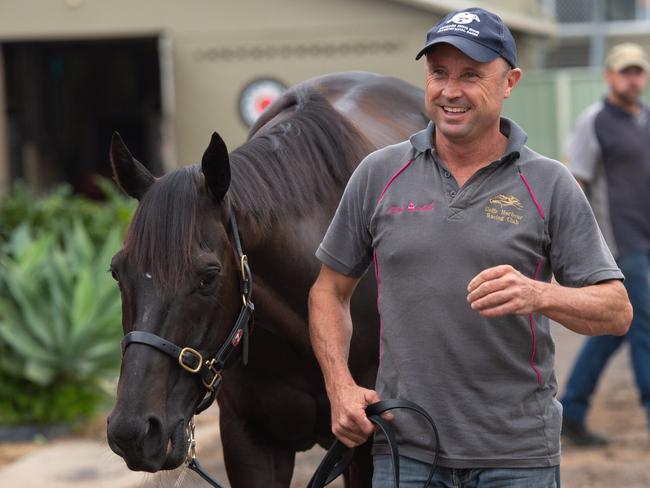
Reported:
(164, 228)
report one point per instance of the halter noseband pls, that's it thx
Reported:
(192, 360)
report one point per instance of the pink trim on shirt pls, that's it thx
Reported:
(532, 195)
(390, 182)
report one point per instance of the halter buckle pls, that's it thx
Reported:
(194, 353)
(215, 375)
(243, 264)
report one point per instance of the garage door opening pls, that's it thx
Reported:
(65, 98)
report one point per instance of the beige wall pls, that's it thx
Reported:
(290, 40)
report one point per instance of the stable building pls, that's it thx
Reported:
(166, 74)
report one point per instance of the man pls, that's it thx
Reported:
(465, 225)
(609, 152)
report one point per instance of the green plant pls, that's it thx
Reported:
(56, 211)
(60, 323)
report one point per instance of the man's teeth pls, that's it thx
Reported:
(455, 110)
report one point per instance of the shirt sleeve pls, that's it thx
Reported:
(582, 146)
(578, 253)
(347, 244)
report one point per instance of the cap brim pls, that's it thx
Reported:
(626, 64)
(470, 48)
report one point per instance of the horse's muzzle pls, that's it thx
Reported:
(146, 444)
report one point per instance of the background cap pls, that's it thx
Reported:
(479, 34)
(625, 55)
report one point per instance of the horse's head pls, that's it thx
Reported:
(180, 282)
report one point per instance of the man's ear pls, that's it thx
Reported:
(512, 78)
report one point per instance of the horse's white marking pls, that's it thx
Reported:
(148, 276)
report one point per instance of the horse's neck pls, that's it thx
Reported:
(283, 267)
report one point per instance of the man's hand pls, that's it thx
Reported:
(502, 290)
(349, 422)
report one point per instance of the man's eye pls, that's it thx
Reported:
(470, 75)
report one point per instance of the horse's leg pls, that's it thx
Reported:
(359, 474)
(252, 462)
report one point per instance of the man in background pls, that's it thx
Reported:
(609, 153)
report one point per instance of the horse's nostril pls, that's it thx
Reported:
(152, 436)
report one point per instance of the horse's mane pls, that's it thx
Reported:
(300, 162)
(282, 171)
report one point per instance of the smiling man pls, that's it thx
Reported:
(466, 226)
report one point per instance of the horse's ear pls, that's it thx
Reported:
(216, 167)
(131, 176)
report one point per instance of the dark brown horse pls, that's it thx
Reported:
(179, 279)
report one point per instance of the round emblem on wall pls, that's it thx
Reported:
(258, 95)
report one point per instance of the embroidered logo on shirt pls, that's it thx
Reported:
(506, 201)
(412, 207)
(505, 211)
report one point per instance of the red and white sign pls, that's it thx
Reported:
(256, 96)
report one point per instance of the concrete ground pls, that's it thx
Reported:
(88, 462)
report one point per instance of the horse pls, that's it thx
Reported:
(181, 271)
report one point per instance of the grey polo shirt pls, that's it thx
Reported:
(488, 382)
(609, 149)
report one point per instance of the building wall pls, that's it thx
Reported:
(215, 47)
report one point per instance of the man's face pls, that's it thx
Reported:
(627, 85)
(463, 97)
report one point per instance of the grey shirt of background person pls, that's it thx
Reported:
(609, 152)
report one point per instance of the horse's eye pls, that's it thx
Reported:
(208, 280)
(114, 273)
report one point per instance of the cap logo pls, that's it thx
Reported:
(464, 18)
(458, 24)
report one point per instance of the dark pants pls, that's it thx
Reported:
(596, 351)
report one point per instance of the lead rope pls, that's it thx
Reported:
(191, 461)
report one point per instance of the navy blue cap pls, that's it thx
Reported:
(480, 34)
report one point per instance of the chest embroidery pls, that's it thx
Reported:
(412, 207)
(504, 208)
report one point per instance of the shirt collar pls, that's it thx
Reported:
(423, 141)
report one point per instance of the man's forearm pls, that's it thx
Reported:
(591, 310)
(330, 329)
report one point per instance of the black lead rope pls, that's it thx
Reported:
(195, 466)
(338, 457)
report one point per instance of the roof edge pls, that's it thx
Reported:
(533, 25)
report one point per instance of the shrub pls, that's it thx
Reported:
(60, 320)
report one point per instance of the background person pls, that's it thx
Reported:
(465, 225)
(609, 153)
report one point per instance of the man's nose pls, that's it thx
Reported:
(452, 88)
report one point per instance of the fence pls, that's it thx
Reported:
(546, 103)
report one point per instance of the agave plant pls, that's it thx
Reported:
(59, 314)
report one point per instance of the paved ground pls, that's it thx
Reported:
(88, 462)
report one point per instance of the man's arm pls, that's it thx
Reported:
(330, 328)
(598, 309)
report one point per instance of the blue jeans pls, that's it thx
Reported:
(596, 351)
(414, 473)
